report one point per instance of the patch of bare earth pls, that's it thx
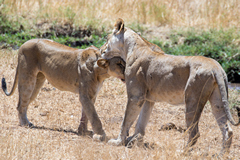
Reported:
(57, 114)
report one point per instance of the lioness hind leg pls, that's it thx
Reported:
(193, 114)
(39, 83)
(222, 120)
(195, 100)
(26, 86)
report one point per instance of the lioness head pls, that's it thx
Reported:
(115, 67)
(115, 42)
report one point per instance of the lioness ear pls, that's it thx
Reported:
(119, 26)
(122, 63)
(103, 63)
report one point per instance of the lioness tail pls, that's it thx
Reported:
(221, 79)
(4, 84)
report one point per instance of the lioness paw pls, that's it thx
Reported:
(30, 125)
(26, 124)
(135, 139)
(115, 142)
(99, 138)
(85, 133)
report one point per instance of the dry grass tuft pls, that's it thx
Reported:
(57, 114)
(204, 13)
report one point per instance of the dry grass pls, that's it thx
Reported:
(204, 13)
(57, 115)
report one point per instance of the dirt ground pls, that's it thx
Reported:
(57, 115)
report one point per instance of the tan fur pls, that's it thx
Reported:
(153, 76)
(67, 69)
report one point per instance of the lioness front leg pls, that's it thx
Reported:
(141, 123)
(134, 106)
(144, 118)
(82, 129)
(89, 110)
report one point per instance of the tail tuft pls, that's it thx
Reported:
(238, 112)
(4, 85)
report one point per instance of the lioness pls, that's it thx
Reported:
(153, 76)
(67, 69)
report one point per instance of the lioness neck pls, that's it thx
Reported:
(133, 41)
(129, 43)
